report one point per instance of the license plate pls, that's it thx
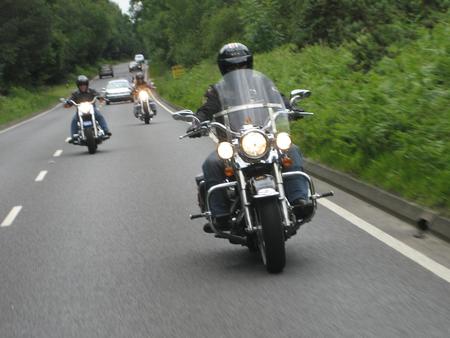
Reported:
(87, 123)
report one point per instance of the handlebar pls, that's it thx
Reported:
(77, 104)
(205, 126)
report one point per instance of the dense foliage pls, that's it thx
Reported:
(186, 32)
(42, 40)
(389, 126)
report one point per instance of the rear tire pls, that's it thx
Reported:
(147, 120)
(90, 140)
(271, 237)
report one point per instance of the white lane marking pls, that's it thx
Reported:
(57, 153)
(426, 262)
(41, 175)
(11, 216)
(162, 105)
(30, 119)
(418, 257)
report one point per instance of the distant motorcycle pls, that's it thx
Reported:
(144, 108)
(90, 133)
(255, 131)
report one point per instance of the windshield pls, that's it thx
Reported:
(249, 98)
(119, 84)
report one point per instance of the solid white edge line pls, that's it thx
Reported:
(40, 177)
(30, 119)
(11, 216)
(416, 256)
(162, 105)
(57, 153)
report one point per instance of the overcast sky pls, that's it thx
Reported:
(123, 4)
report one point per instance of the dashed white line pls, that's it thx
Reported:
(416, 256)
(11, 216)
(57, 153)
(41, 175)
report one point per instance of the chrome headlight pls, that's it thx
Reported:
(254, 144)
(283, 141)
(143, 95)
(225, 150)
(84, 107)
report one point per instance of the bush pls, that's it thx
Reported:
(389, 126)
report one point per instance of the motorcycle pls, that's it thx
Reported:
(144, 108)
(90, 133)
(254, 128)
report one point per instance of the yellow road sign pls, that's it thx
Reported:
(177, 71)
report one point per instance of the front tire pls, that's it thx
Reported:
(270, 237)
(90, 140)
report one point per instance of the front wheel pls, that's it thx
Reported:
(90, 140)
(270, 236)
(147, 120)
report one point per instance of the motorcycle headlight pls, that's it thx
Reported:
(225, 150)
(143, 95)
(283, 141)
(254, 144)
(84, 108)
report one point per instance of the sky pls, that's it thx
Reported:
(123, 4)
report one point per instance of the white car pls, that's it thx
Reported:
(139, 58)
(118, 90)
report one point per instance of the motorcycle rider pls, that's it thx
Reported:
(138, 85)
(234, 56)
(85, 94)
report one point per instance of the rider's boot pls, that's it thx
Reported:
(221, 223)
(303, 208)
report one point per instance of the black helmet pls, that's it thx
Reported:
(139, 77)
(82, 80)
(234, 55)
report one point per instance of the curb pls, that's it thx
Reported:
(423, 218)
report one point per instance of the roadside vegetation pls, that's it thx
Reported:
(44, 44)
(24, 102)
(384, 118)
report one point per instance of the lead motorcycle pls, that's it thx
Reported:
(90, 133)
(144, 108)
(255, 125)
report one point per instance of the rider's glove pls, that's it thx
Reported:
(194, 127)
(295, 114)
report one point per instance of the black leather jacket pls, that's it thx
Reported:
(79, 96)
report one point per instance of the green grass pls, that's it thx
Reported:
(22, 103)
(389, 127)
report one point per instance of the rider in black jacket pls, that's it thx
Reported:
(237, 56)
(85, 94)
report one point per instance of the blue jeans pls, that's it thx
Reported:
(98, 116)
(295, 187)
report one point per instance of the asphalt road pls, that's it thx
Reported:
(103, 247)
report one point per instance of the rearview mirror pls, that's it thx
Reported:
(184, 115)
(302, 93)
(297, 95)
